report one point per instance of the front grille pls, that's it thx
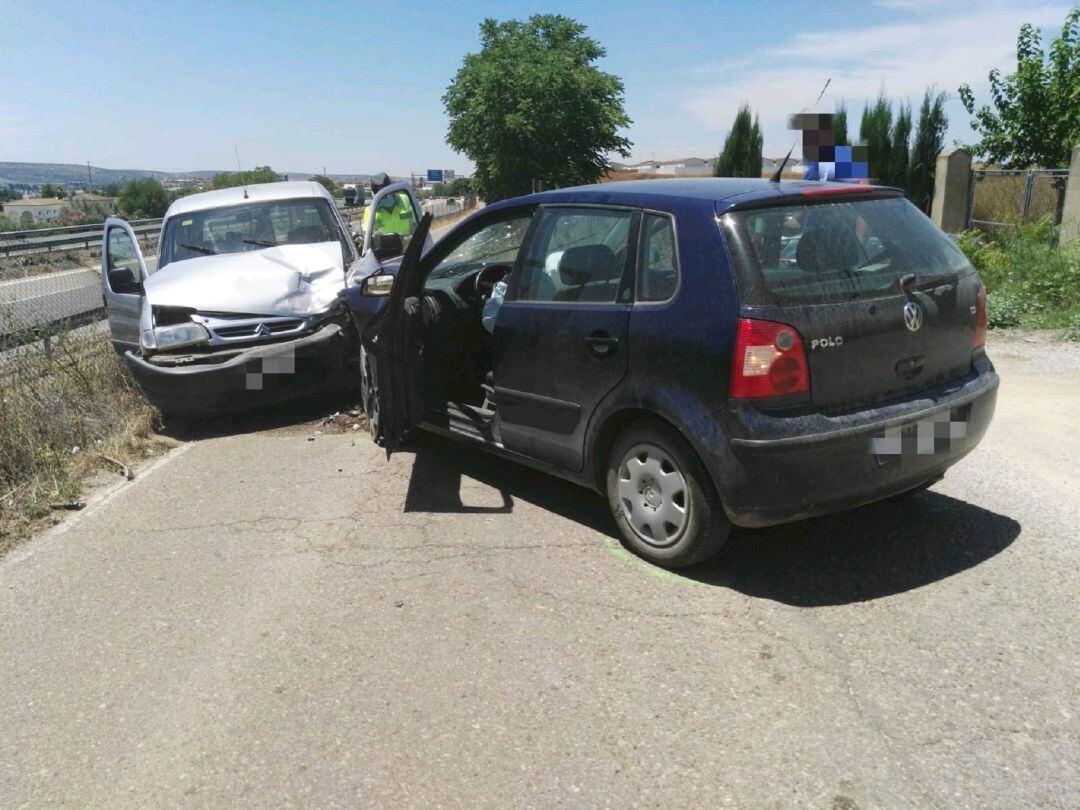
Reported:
(251, 330)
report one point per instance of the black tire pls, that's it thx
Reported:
(662, 498)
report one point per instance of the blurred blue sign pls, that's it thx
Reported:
(435, 175)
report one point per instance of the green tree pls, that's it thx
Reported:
(326, 183)
(111, 190)
(900, 148)
(840, 126)
(929, 141)
(260, 174)
(875, 130)
(458, 187)
(741, 155)
(532, 107)
(50, 191)
(9, 194)
(1036, 120)
(184, 191)
(143, 198)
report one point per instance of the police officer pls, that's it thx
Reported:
(394, 213)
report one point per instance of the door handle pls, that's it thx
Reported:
(601, 343)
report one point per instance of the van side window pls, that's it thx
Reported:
(659, 269)
(577, 256)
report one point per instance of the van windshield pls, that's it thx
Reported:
(254, 226)
(842, 251)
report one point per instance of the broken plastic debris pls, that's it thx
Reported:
(71, 506)
(124, 468)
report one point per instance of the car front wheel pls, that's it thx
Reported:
(662, 498)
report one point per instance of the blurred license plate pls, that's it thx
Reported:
(927, 437)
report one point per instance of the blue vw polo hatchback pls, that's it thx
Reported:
(701, 352)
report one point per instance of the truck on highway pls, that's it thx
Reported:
(354, 195)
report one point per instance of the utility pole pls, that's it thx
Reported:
(89, 179)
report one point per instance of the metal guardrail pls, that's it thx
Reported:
(47, 239)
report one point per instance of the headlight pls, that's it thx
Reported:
(177, 335)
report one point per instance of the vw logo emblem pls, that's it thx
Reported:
(262, 331)
(912, 316)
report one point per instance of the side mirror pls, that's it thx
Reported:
(378, 285)
(387, 245)
(122, 280)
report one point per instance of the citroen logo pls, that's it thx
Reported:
(262, 331)
(912, 316)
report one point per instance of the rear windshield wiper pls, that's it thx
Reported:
(910, 281)
(263, 242)
(200, 249)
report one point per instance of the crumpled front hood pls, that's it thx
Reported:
(283, 280)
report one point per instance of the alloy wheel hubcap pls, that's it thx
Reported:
(653, 494)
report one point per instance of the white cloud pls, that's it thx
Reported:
(941, 44)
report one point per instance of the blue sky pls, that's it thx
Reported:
(299, 86)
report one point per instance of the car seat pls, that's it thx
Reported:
(828, 249)
(307, 234)
(589, 273)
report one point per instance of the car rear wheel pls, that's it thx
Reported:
(661, 497)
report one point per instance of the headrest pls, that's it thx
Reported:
(827, 249)
(585, 263)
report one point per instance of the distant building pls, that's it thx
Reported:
(94, 204)
(35, 211)
(683, 167)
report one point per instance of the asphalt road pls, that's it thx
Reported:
(260, 619)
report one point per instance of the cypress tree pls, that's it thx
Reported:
(741, 155)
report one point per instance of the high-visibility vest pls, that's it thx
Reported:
(399, 219)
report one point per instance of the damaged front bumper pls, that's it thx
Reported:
(237, 379)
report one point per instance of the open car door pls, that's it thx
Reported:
(395, 209)
(123, 272)
(395, 390)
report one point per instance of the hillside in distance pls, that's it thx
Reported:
(37, 173)
(75, 174)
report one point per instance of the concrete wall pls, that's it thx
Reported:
(952, 181)
(1070, 212)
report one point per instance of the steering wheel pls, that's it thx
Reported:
(486, 279)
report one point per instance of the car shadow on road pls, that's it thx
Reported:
(863, 554)
(867, 553)
(302, 414)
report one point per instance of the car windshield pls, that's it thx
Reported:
(254, 226)
(497, 243)
(826, 253)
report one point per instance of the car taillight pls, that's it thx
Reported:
(980, 318)
(769, 361)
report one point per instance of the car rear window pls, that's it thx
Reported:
(836, 251)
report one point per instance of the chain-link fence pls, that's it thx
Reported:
(998, 197)
(67, 404)
(45, 291)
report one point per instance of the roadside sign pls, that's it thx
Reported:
(435, 175)
(448, 175)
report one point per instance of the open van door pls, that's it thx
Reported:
(394, 403)
(123, 272)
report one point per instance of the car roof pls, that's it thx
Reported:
(724, 192)
(257, 192)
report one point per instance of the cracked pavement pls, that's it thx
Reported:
(262, 620)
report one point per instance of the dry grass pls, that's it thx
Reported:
(65, 403)
(1000, 197)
